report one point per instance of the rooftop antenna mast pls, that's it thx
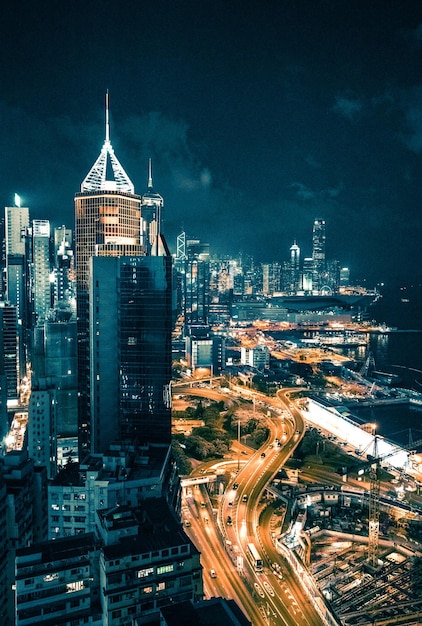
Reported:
(149, 173)
(107, 123)
(96, 179)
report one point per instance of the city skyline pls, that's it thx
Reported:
(257, 121)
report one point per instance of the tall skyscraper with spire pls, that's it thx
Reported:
(294, 267)
(318, 253)
(108, 223)
(151, 208)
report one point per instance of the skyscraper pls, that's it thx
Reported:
(318, 253)
(130, 361)
(151, 207)
(196, 278)
(41, 270)
(9, 350)
(107, 223)
(124, 308)
(295, 267)
(64, 282)
(16, 225)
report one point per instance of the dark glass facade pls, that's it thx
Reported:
(130, 349)
(107, 223)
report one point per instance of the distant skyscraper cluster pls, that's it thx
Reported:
(211, 289)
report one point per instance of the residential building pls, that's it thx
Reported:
(125, 475)
(53, 405)
(138, 561)
(57, 583)
(25, 508)
(154, 564)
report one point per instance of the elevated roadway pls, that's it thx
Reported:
(274, 600)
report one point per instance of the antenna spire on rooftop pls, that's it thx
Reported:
(96, 179)
(107, 128)
(150, 173)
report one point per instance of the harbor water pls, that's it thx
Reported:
(399, 352)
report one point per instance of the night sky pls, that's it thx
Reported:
(259, 116)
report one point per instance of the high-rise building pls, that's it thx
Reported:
(344, 277)
(307, 275)
(151, 208)
(271, 278)
(204, 349)
(53, 406)
(124, 308)
(16, 223)
(41, 270)
(16, 226)
(138, 562)
(318, 253)
(130, 360)
(64, 271)
(295, 268)
(107, 223)
(9, 349)
(196, 286)
(26, 508)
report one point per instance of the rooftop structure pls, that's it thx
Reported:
(96, 179)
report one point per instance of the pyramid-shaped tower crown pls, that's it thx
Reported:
(96, 179)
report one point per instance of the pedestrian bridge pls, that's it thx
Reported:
(198, 480)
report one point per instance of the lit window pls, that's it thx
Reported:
(49, 577)
(75, 586)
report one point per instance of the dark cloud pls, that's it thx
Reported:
(412, 108)
(348, 106)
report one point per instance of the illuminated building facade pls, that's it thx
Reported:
(271, 278)
(318, 253)
(295, 268)
(107, 223)
(64, 271)
(196, 283)
(41, 270)
(10, 338)
(124, 304)
(16, 226)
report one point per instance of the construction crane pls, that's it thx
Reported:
(374, 510)
(369, 365)
(374, 464)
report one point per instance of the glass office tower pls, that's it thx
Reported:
(130, 360)
(318, 253)
(124, 313)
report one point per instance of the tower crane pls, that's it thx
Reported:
(369, 365)
(374, 465)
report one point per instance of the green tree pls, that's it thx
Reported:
(261, 435)
(199, 411)
(251, 425)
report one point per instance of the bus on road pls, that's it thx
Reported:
(253, 556)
